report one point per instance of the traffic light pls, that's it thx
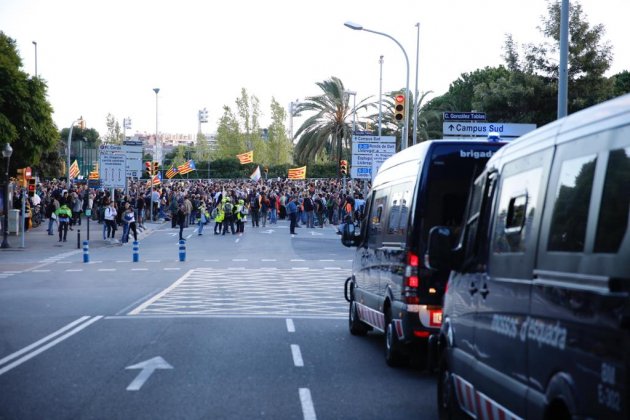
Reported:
(149, 168)
(31, 187)
(399, 107)
(156, 167)
(343, 167)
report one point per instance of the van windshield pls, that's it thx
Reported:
(444, 195)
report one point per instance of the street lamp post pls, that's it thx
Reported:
(405, 134)
(158, 150)
(416, 95)
(380, 96)
(69, 149)
(7, 151)
(35, 43)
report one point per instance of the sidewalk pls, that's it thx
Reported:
(38, 238)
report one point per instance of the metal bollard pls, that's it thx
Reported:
(86, 252)
(136, 254)
(182, 250)
(78, 238)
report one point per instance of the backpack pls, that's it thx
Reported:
(227, 208)
(253, 202)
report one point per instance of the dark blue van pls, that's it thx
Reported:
(391, 290)
(536, 320)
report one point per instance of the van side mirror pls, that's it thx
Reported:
(348, 235)
(439, 253)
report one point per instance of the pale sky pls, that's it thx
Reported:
(101, 57)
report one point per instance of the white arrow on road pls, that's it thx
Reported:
(148, 366)
(316, 233)
(267, 231)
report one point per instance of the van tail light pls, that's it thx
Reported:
(411, 279)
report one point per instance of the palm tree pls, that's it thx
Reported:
(328, 127)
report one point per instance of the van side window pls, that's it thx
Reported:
(517, 207)
(572, 201)
(615, 205)
(376, 218)
(400, 196)
(476, 222)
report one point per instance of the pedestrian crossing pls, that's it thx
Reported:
(311, 293)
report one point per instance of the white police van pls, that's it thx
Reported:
(536, 320)
(391, 290)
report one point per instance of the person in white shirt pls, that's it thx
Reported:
(110, 219)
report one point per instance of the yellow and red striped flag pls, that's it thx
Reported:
(172, 172)
(247, 157)
(186, 167)
(157, 180)
(74, 169)
(297, 173)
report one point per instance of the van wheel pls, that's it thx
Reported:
(357, 327)
(394, 354)
(448, 408)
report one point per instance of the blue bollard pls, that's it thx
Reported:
(136, 253)
(86, 252)
(182, 250)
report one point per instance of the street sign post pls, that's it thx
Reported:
(482, 129)
(368, 153)
(112, 166)
(464, 116)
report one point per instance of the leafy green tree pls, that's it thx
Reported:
(25, 114)
(331, 124)
(114, 133)
(621, 83)
(230, 141)
(279, 146)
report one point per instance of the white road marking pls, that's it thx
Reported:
(297, 260)
(326, 260)
(42, 349)
(297, 355)
(239, 259)
(308, 410)
(268, 259)
(159, 295)
(171, 268)
(74, 270)
(148, 367)
(211, 260)
(12, 272)
(139, 269)
(332, 268)
(290, 325)
(41, 271)
(106, 269)
(300, 268)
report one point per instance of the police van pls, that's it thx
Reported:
(390, 290)
(536, 320)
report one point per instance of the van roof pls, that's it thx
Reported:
(607, 115)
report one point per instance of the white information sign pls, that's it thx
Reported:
(482, 129)
(368, 153)
(112, 166)
(133, 166)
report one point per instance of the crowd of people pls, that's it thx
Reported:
(230, 205)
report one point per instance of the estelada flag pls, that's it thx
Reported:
(172, 172)
(247, 157)
(157, 180)
(297, 173)
(186, 167)
(74, 169)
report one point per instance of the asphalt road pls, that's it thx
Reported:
(248, 326)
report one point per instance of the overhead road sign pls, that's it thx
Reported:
(479, 129)
(464, 116)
